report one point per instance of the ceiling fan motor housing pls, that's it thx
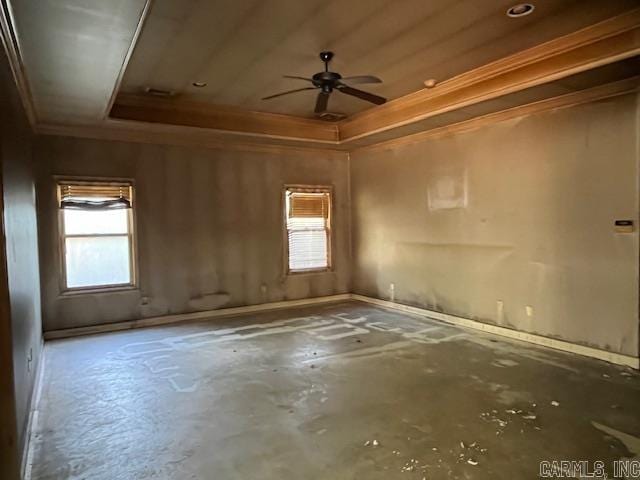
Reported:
(326, 80)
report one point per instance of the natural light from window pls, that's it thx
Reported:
(308, 230)
(97, 240)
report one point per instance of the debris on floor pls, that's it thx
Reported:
(411, 465)
(357, 410)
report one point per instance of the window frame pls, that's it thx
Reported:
(65, 290)
(328, 228)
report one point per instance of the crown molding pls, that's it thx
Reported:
(11, 44)
(176, 121)
(140, 132)
(223, 118)
(589, 95)
(161, 134)
(606, 42)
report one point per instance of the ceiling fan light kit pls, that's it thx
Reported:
(328, 82)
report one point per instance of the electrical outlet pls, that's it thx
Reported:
(529, 310)
(500, 309)
(392, 292)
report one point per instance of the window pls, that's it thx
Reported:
(308, 222)
(96, 234)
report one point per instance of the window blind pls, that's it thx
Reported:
(309, 205)
(95, 196)
(308, 230)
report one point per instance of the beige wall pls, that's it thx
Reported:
(22, 282)
(209, 227)
(520, 212)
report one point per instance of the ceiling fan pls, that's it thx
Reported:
(328, 81)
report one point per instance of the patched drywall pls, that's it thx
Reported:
(511, 224)
(21, 241)
(209, 227)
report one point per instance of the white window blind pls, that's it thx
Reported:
(308, 229)
(99, 197)
(96, 234)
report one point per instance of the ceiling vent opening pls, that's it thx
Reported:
(331, 116)
(159, 92)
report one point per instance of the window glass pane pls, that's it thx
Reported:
(301, 223)
(80, 222)
(97, 261)
(307, 249)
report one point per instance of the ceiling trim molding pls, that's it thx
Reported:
(603, 43)
(621, 87)
(134, 40)
(606, 42)
(11, 46)
(141, 132)
(556, 46)
(229, 119)
(600, 44)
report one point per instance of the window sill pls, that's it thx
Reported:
(74, 292)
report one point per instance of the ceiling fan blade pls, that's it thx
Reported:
(295, 77)
(369, 97)
(322, 102)
(361, 79)
(288, 92)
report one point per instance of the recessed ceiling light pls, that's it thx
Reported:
(430, 83)
(199, 84)
(520, 10)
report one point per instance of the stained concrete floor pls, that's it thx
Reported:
(344, 391)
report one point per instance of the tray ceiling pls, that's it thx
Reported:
(241, 49)
(82, 66)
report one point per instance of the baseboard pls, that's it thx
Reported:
(32, 421)
(616, 358)
(187, 317)
(611, 357)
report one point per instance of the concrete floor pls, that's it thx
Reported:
(307, 393)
